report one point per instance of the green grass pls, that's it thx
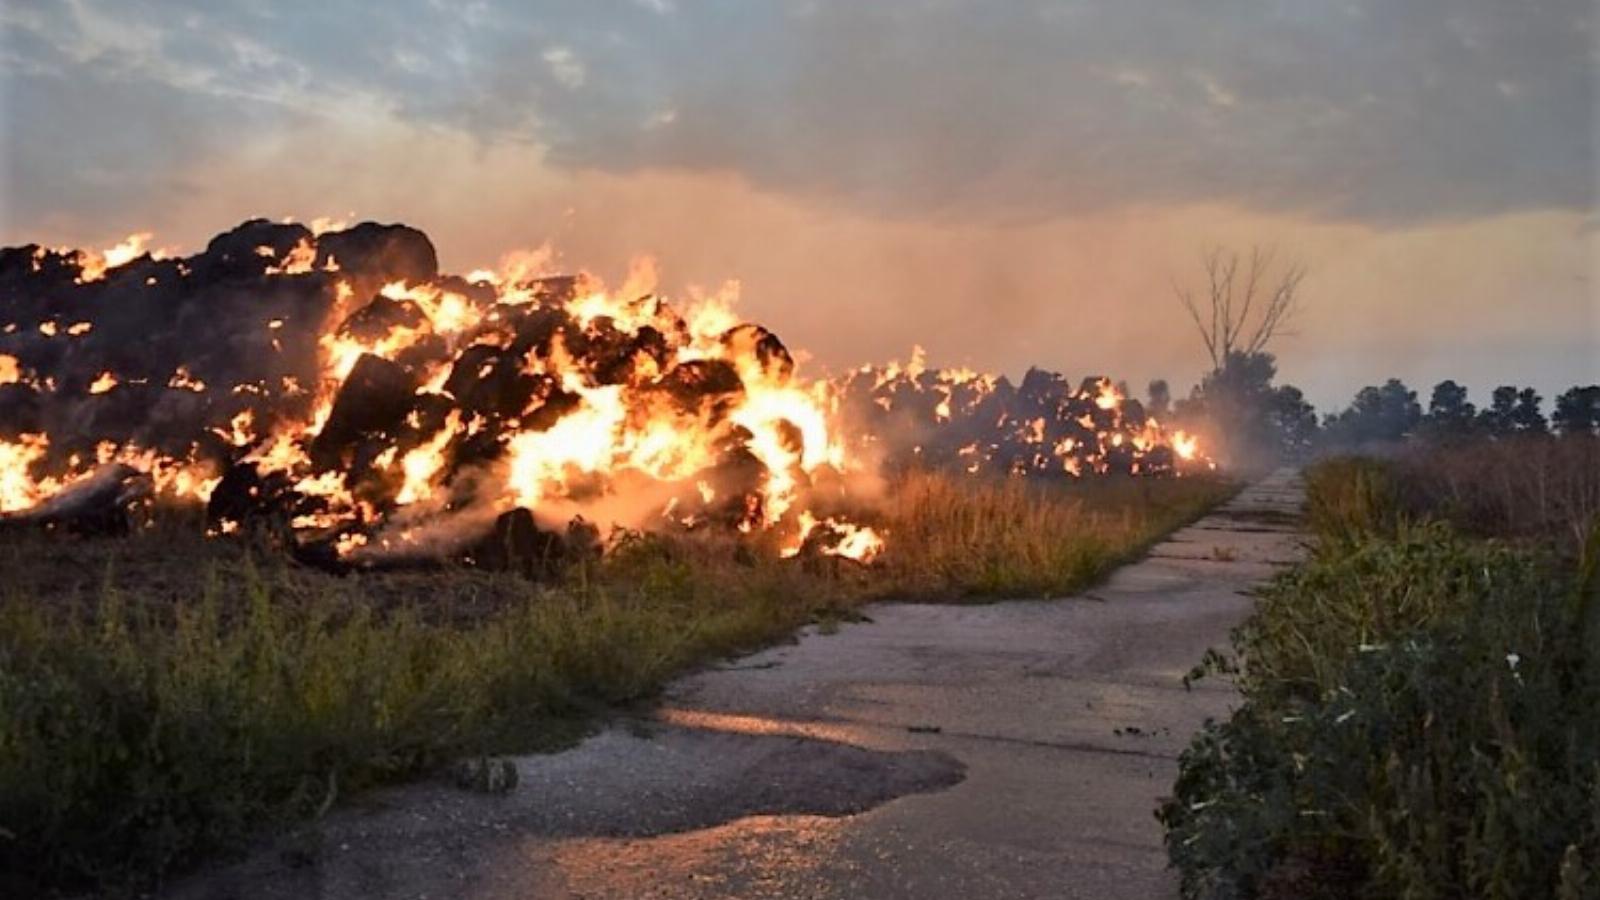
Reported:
(164, 698)
(1421, 711)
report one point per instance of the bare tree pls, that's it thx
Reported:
(1246, 303)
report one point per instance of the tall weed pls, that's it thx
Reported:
(1421, 713)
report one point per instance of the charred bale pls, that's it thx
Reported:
(244, 496)
(550, 403)
(516, 543)
(20, 411)
(321, 554)
(258, 334)
(1041, 388)
(710, 385)
(536, 328)
(237, 253)
(738, 477)
(424, 353)
(374, 399)
(122, 410)
(382, 315)
(371, 255)
(478, 447)
(96, 506)
(22, 262)
(617, 360)
(429, 413)
(491, 381)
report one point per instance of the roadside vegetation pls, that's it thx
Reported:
(1421, 714)
(954, 539)
(165, 697)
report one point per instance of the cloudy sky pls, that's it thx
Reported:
(1003, 183)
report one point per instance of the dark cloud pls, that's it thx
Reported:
(1372, 110)
(90, 141)
(1378, 110)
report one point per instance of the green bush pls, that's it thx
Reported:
(1421, 720)
(1366, 591)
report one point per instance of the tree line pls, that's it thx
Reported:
(1256, 421)
(1392, 412)
(1247, 301)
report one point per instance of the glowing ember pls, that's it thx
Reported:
(182, 380)
(379, 408)
(977, 423)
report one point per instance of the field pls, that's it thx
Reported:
(1422, 697)
(164, 698)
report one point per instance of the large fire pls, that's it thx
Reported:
(333, 384)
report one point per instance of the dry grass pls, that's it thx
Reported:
(1536, 486)
(1534, 489)
(952, 539)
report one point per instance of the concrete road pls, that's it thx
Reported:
(1008, 750)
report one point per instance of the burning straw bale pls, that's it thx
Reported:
(980, 423)
(338, 391)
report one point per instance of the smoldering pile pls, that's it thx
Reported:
(338, 391)
(983, 424)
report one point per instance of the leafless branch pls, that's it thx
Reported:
(1234, 297)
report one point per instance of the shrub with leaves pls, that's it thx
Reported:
(1421, 720)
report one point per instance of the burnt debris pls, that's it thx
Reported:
(340, 394)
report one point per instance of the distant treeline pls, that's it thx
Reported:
(1392, 412)
(1249, 421)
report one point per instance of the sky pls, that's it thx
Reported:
(1003, 183)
